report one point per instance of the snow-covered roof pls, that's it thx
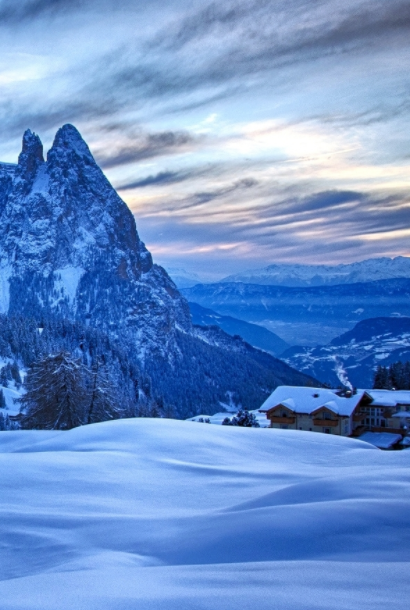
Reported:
(309, 400)
(402, 414)
(389, 398)
(383, 440)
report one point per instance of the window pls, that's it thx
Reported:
(326, 430)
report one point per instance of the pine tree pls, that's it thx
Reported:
(381, 379)
(56, 394)
(102, 403)
(7, 424)
(2, 400)
(15, 373)
(243, 418)
(4, 376)
(396, 376)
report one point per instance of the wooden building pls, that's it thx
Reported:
(334, 412)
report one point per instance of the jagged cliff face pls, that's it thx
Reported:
(69, 246)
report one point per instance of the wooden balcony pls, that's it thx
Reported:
(391, 430)
(325, 423)
(282, 420)
(360, 416)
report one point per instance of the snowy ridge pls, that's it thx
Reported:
(159, 514)
(184, 278)
(326, 275)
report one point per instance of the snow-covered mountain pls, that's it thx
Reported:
(183, 278)
(325, 275)
(69, 246)
(353, 357)
(69, 249)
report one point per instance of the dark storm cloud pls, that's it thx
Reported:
(147, 146)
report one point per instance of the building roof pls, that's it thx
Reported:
(309, 400)
(383, 440)
(389, 398)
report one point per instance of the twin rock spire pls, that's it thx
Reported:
(68, 145)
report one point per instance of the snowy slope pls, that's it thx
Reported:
(326, 275)
(355, 355)
(159, 514)
(256, 335)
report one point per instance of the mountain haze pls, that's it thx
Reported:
(305, 315)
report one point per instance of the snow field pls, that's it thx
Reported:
(155, 514)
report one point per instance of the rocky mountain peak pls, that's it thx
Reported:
(69, 246)
(31, 156)
(69, 147)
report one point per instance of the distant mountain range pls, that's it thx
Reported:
(256, 335)
(308, 316)
(325, 275)
(353, 357)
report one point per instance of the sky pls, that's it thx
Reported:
(241, 133)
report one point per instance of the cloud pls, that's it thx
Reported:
(269, 30)
(221, 49)
(374, 224)
(326, 200)
(12, 12)
(147, 146)
(160, 179)
(200, 199)
(163, 178)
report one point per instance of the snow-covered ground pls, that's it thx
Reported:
(218, 418)
(169, 515)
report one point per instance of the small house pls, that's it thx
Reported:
(315, 409)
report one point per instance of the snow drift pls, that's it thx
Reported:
(155, 514)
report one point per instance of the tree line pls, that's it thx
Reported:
(396, 376)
